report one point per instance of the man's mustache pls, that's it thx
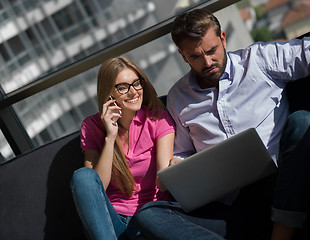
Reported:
(206, 69)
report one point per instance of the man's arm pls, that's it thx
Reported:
(183, 144)
(287, 61)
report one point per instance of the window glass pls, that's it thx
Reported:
(6, 152)
(4, 54)
(63, 32)
(40, 37)
(60, 110)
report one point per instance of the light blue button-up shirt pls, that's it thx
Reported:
(250, 95)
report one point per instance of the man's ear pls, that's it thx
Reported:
(223, 38)
(184, 58)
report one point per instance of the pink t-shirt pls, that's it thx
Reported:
(143, 135)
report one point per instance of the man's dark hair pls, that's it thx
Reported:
(193, 25)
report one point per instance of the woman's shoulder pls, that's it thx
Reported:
(92, 120)
(164, 114)
(92, 133)
(163, 117)
(153, 115)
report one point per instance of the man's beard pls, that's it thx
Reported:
(213, 77)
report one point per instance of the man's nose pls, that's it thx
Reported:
(208, 60)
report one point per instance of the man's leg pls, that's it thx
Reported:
(247, 218)
(167, 220)
(292, 194)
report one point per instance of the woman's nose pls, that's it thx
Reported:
(131, 90)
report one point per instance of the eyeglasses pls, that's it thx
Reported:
(124, 88)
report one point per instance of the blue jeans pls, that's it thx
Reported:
(292, 192)
(99, 218)
(249, 217)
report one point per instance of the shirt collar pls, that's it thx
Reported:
(229, 71)
(141, 115)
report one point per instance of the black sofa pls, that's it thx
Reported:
(35, 197)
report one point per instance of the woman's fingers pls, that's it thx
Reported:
(110, 112)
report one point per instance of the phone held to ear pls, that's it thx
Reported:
(120, 112)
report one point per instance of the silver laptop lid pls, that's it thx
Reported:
(214, 172)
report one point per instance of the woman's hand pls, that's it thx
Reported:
(110, 115)
(174, 160)
(102, 162)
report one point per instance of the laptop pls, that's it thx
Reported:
(208, 175)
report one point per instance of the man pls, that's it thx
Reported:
(222, 95)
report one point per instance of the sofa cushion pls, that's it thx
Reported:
(36, 200)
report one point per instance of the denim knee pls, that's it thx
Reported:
(83, 177)
(299, 120)
(296, 127)
(147, 209)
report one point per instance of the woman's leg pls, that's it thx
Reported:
(98, 216)
(292, 194)
(247, 218)
(167, 220)
(132, 230)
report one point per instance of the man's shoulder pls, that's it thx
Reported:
(180, 84)
(253, 52)
(178, 93)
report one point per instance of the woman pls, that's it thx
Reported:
(124, 145)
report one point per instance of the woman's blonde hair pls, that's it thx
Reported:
(107, 75)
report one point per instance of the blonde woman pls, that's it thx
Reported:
(125, 144)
